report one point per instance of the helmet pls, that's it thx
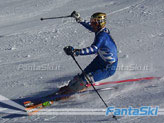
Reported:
(98, 20)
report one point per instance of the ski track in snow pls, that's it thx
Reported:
(27, 45)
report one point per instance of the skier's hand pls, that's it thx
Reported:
(76, 15)
(69, 50)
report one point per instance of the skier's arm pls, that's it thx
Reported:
(86, 25)
(88, 50)
(93, 49)
(78, 19)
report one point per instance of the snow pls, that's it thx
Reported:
(32, 62)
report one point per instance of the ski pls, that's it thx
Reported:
(36, 108)
(30, 103)
(33, 109)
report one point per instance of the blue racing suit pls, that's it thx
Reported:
(105, 63)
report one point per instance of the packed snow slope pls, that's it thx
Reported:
(33, 64)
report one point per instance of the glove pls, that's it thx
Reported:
(76, 15)
(69, 50)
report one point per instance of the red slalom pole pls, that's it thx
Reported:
(124, 81)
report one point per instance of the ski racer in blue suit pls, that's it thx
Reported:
(105, 63)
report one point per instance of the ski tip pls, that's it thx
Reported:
(27, 102)
(32, 110)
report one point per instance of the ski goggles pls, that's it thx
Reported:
(96, 22)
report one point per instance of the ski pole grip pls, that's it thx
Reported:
(69, 50)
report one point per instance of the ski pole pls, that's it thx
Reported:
(67, 16)
(113, 116)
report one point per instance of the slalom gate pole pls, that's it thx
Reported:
(113, 116)
(55, 17)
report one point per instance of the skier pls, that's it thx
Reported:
(105, 63)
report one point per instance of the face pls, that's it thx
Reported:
(95, 25)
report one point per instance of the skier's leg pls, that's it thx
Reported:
(104, 73)
(98, 70)
(95, 72)
(77, 84)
